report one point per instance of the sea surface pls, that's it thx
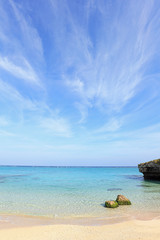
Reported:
(75, 192)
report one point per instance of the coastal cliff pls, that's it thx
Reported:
(151, 169)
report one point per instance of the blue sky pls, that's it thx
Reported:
(79, 82)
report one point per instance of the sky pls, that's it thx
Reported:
(79, 82)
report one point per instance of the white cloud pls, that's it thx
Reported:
(111, 126)
(56, 126)
(76, 85)
(21, 70)
(145, 136)
(30, 34)
(101, 53)
(22, 52)
(10, 93)
(53, 124)
(109, 68)
(6, 133)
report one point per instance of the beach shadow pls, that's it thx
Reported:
(102, 204)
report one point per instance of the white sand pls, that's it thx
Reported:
(131, 230)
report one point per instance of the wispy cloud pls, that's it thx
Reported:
(109, 63)
(111, 126)
(29, 33)
(56, 126)
(42, 116)
(22, 52)
(10, 93)
(6, 133)
(85, 72)
(22, 69)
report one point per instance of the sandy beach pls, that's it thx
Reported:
(79, 120)
(130, 230)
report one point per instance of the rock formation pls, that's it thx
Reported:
(151, 169)
(122, 200)
(111, 204)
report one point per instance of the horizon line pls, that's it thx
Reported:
(69, 166)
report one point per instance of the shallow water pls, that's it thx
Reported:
(76, 192)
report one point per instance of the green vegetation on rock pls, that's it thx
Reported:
(122, 200)
(156, 161)
(111, 204)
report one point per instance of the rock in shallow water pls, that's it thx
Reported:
(111, 204)
(122, 200)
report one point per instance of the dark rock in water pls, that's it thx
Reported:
(151, 169)
(114, 189)
(111, 204)
(122, 200)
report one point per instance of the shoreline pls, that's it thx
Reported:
(132, 230)
(12, 221)
(19, 221)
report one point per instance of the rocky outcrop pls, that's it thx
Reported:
(151, 169)
(111, 204)
(122, 200)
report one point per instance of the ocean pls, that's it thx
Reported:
(76, 192)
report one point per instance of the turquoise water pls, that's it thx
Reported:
(75, 192)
